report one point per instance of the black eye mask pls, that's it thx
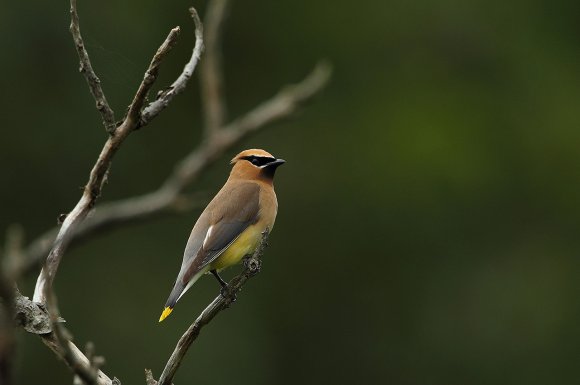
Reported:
(259, 160)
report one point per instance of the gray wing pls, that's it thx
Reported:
(239, 208)
(216, 229)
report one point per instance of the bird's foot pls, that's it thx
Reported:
(228, 295)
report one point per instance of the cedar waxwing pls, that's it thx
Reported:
(231, 225)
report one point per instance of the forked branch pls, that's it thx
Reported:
(41, 316)
(163, 100)
(169, 198)
(99, 172)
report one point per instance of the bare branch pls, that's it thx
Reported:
(211, 80)
(42, 316)
(108, 216)
(149, 377)
(95, 362)
(136, 106)
(35, 319)
(99, 172)
(75, 359)
(79, 363)
(252, 267)
(31, 316)
(282, 105)
(53, 333)
(86, 69)
(168, 198)
(164, 98)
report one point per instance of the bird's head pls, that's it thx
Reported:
(255, 164)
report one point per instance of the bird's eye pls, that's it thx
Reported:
(258, 161)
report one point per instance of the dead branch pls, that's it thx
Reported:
(34, 318)
(86, 69)
(41, 316)
(169, 197)
(149, 380)
(132, 120)
(99, 172)
(252, 267)
(82, 366)
(164, 98)
(57, 337)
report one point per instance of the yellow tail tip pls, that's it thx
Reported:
(165, 313)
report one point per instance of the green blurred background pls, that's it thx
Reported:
(428, 230)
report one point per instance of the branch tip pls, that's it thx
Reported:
(164, 98)
(86, 68)
(149, 377)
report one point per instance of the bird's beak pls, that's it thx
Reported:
(276, 163)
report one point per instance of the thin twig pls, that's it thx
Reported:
(80, 364)
(99, 172)
(149, 380)
(56, 337)
(211, 79)
(35, 319)
(252, 267)
(164, 98)
(168, 198)
(86, 69)
(75, 358)
(286, 102)
(133, 115)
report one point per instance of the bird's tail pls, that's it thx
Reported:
(166, 311)
(178, 289)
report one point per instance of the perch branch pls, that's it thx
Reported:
(169, 197)
(99, 172)
(211, 79)
(223, 301)
(86, 69)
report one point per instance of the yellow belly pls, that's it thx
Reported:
(245, 244)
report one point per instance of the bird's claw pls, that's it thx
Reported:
(226, 294)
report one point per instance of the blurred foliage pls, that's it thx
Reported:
(429, 211)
